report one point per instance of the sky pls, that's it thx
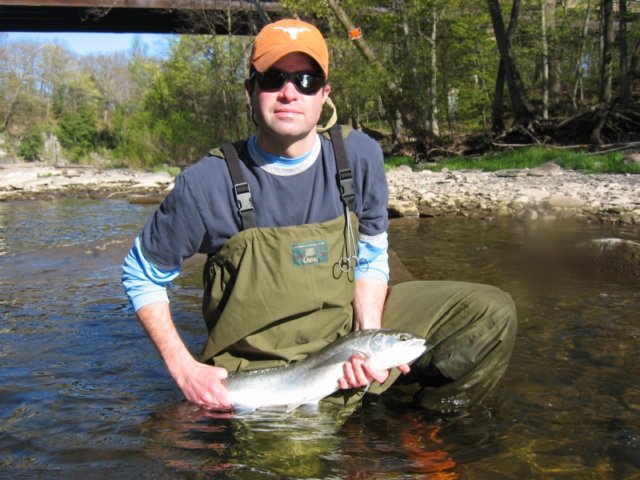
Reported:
(96, 43)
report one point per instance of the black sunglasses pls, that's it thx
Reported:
(273, 80)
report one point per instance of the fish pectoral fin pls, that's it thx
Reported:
(313, 405)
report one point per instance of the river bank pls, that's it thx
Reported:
(546, 193)
(34, 181)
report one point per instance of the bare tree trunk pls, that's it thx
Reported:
(555, 54)
(578, 70)
(433, 114)
(606, 67)
(507, 70)
(545, 60)
(497, 110)
(625, 79)
(634, 64)
(396, 120)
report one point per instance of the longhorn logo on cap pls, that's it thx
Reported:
(292, 31)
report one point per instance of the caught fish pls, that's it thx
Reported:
(310, 380)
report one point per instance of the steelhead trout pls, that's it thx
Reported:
(310, 380)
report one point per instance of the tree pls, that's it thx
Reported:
(522, 109)
(19, 102)
(76, 108)
(57, 64)
(606, 65)
(498, 99)
(31, 145)
(77, 132)
(113, 80)
(545, 60)
(625, 78)
(578, 70)
(195, 99)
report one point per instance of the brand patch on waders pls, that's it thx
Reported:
(310, 253)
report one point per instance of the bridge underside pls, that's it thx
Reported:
(137, 16)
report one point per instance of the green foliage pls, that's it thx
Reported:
(528, 158)
(357, 89)
(77, 133)
(393, 162)
(145, 112)
(194, 102)
(31, 146)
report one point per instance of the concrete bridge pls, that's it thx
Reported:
(239, 17)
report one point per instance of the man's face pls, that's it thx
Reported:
(287, 115)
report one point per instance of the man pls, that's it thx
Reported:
(297, 250)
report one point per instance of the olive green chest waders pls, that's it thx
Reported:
(275, 295)
(273, 298)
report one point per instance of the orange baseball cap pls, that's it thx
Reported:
(278, 39)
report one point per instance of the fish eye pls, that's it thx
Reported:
(404, 337)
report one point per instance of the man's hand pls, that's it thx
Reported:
(368, 304)
(202, 385)
(358, 373)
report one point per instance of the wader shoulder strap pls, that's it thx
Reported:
(241, 189)
(345, 175)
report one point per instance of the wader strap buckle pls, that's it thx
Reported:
(241, 190)
(345, 177)
(243, 197)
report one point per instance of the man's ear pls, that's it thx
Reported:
(327, 91)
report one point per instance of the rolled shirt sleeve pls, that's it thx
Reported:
(374, 257)
(144, 283)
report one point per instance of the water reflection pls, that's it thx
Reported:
(84, 394)
(271, 444)
(329, 443)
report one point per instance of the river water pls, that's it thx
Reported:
(83, 394)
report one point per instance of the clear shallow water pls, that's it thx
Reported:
(84, 394)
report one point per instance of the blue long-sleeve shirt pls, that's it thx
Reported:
(200, 215)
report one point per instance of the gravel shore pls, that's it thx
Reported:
(545, 193)
(29, 181)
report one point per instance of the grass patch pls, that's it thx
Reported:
(393, 162)
(527, 158)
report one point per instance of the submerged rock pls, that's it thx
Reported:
(612, 256)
